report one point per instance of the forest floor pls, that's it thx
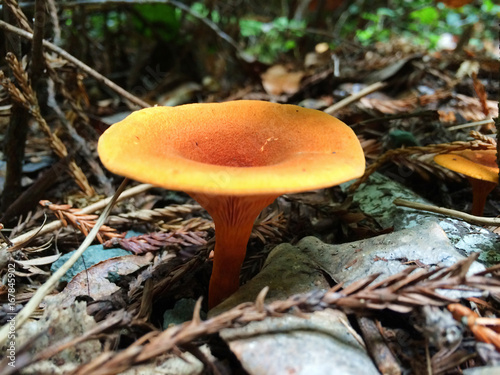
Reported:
(150, 253)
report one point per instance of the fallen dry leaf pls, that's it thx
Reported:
(94, 280)
(278, 80)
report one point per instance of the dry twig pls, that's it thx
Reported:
(478, 220)
(352, 98)
(471, 124)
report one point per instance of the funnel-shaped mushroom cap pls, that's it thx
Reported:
(233, 148)
(478, 164)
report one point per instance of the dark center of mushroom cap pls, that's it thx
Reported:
(234, 149)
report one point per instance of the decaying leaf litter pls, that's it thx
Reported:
(117, 304)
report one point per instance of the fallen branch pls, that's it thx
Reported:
(471, 124)
(354, 97)
(478, 220)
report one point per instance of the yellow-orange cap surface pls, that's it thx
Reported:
(233, 148)
(478, 164)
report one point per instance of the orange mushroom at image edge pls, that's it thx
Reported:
(481, 169)
(234, 158)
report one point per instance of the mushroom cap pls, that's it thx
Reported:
(478, 164)
(233, 148)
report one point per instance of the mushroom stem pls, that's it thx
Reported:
(480, 191)
(229, 254)
(234, 217)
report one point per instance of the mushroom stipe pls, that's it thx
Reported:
(234, 158)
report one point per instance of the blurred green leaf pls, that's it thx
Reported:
(250, 28)
(267, 40)
(160, 18)
(427, 15)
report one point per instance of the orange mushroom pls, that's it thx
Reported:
(481, 169)
(234, 158)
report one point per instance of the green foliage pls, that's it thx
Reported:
(420, 21)
(157, 20)
(426, 15)
(151, 20)
(267, 40)
(375, 29)
(423, 21)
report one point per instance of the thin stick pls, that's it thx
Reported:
(87, 210)
(470, 124)
(354, 97)
(396, 116)
(49, 285)
(478, 220)
(377, 347)
(87, 69)
(54, 20)
(428, 358)
(209, 23)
